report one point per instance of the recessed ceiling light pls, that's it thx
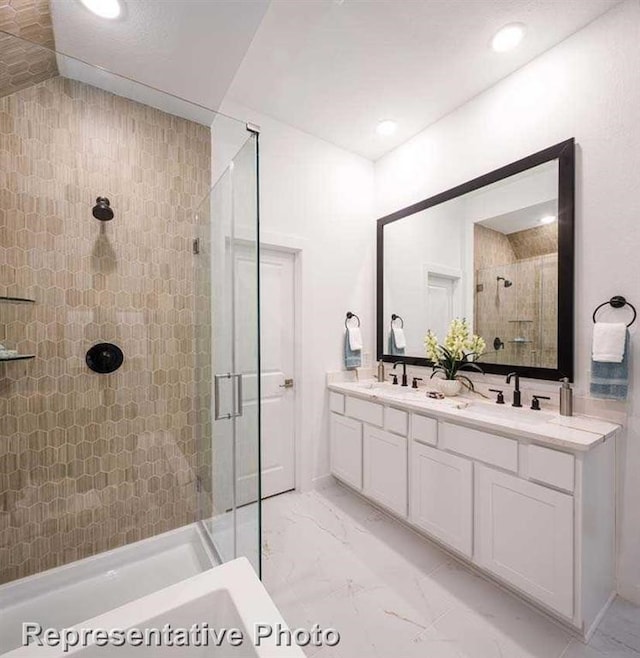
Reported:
(508, 37)
(103, 8)
(548, 219)
(386, 127)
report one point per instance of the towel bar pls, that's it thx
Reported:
(349, 316)
(395, 317)
(617, 301)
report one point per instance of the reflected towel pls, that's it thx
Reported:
(609, 380)
(399, 338)
(609, 340)
(392, 348)
(352, 358)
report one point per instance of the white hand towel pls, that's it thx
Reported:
(609, 341)
(399, 337)
(355, 339)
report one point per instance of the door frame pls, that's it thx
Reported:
(295, 246)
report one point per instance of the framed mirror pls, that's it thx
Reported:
(497, 251)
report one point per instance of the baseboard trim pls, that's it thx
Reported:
(596, 622)
(631, 594)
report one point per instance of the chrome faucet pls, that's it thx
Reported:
(404, 371)
(517, 397)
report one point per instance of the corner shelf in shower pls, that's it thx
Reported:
(4, 299)
(17, 357)
(519, 320)
(16, 300)
(520, 342)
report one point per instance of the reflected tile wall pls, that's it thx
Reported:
(90, 462)
(523, 316)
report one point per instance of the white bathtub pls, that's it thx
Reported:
(228, 596)
(63, 596)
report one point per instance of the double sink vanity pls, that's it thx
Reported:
(525, 496)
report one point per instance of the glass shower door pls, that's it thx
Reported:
(229, 477)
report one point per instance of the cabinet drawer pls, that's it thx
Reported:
(362, 410)
(549, 466)
(484, 447)
(396, 421)
(424, 430)
(336, 402)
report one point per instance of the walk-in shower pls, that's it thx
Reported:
(115, 477)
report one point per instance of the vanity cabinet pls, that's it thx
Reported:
(441, 496)
(346, 449)
(385, 469)
(524, 535)
(533, 514)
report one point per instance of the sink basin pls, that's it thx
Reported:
(509, 413)
(371, 386)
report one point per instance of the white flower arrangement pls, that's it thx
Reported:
(459, 351)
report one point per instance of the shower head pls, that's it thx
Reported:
(102, 209)
(506, 282)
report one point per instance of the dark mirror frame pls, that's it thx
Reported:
(564, 152)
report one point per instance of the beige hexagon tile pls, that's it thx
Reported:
(91, 462)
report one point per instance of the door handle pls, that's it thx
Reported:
(288, 383)
(237, 411)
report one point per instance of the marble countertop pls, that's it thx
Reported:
(575, 433)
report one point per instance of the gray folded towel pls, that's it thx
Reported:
(610, 381)
(352, 358)
(392, 348)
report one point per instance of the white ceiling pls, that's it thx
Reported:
(190, 48)
(335, 69)
(329, 67)
(522, 218)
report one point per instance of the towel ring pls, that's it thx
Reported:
(395, 317)
(349, 316)
(617, 301)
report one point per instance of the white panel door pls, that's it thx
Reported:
(440, 303)
(524, 534)
(385, 468)
(441, 498)
(277, 335)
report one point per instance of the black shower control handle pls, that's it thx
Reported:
(500, 398)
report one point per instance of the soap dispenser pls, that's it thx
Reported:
(381, 375)
(566, 398)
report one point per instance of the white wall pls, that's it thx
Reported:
(317, 197)
(587, 87)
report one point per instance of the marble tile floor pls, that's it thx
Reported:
(331, 558)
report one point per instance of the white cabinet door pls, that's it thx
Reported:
(385, 468)
(346, 449)
(524, 535)
(441, 500)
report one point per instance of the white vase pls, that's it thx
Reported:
(449, 387)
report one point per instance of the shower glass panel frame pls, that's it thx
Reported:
(43, 452)
(230, 503)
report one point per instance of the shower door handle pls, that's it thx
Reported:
(238, 378)
(237, 397)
